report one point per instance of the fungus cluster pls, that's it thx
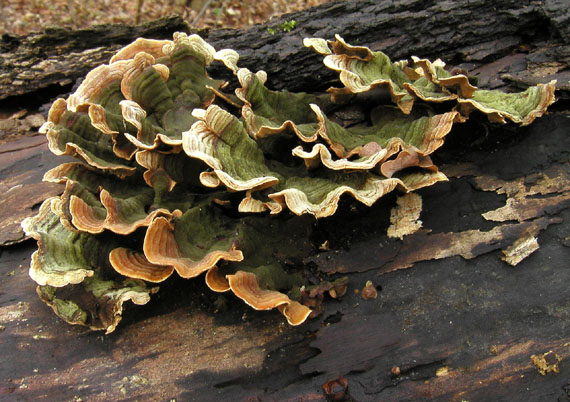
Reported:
(172, 173)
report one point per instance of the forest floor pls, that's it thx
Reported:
(21, 17)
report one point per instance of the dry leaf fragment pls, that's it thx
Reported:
(336, 388)
(546, 363)
(369, 291)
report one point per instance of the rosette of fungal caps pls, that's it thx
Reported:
(172, 175)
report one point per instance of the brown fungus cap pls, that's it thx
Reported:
(216, 281)
(161, 248)
(244, 285)
(86, 220)
(133, 264)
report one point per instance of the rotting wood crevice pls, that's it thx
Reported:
(421, 372)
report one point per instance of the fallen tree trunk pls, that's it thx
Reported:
(60, 56)
(459, 32)
(452, 320)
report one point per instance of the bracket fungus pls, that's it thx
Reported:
(173, 174)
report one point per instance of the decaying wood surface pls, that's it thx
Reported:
(22, 166)
(60, 56)
(452, 321)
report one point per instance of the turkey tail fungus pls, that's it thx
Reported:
(174, 173)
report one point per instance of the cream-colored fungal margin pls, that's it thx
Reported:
(321, 154)
(151, 46)
(407, 158)
(339, 46)
(436, 73)
(153, 162)
(95, 82)
(112, 299)
(37, 273)
(319, 45)
(202, 142)
(133, 113)
(298, 202)
(98, 116)
(136, 67)
(415, 181)
(216, 281)
(65, 278)
(510, 106)
(405, 216)
(252, 205)
(52, 132)
(229, 57)
(195, 42)
(138, 298)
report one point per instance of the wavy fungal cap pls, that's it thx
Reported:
(167, 160)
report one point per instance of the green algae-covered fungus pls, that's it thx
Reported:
(174, 175)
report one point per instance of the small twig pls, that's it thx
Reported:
(73, 12)
(138, 12)
(219, 15)
(201, 12)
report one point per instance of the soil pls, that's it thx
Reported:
(21, 17)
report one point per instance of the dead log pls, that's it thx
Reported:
(459, 32)
(60, 56)
(452, 321)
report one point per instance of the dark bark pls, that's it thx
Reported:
(458, 32)
(458, 324)
(60, 56)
